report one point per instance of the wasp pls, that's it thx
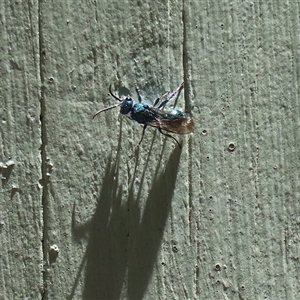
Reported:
(165, 121)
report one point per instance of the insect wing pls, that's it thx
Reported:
(172, 121)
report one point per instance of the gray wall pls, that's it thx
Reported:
(218, 219)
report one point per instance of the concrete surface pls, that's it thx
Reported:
(84, 214)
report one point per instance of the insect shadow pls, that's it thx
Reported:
(123, 241)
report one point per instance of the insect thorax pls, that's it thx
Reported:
(141, 113)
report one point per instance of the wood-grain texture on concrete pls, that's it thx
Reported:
(218, 219)
(21, 259)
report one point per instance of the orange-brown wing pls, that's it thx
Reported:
(180, 125)
(173, 121)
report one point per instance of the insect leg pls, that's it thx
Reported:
(169, 135)
(159, 97)
(172, 95)
(144, 128)
(138, 93)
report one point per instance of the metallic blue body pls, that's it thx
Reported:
(174, 120)
(143, 113)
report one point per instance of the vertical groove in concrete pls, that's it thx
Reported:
(45, 178)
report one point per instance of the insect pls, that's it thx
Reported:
(174, 120)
